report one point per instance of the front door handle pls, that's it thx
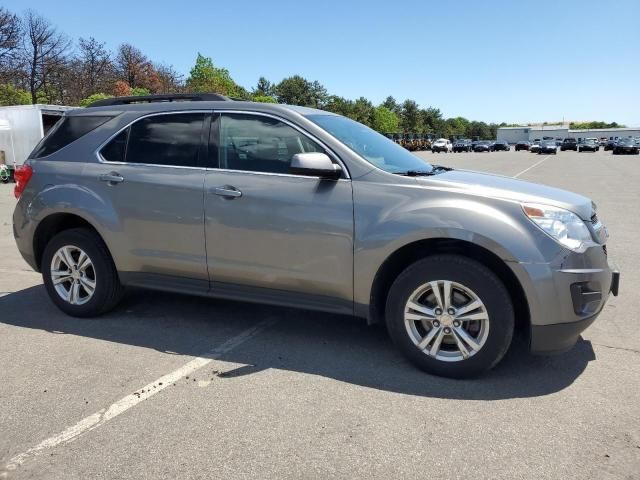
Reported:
(227, 192)
(111, 178)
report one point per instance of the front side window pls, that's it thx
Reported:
(172, 140)
(370, 145)
(257, 143)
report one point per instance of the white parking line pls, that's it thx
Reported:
(532, 166)
(103, 416)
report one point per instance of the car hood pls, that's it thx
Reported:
(497, 186)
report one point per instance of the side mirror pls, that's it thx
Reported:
(315, 164)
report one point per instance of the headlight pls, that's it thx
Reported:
(562, 225)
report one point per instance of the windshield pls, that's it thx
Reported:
(370, 145)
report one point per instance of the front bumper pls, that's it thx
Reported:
(572, 298)
(626, 151)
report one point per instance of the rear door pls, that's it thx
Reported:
(152, 173)
(271, 235)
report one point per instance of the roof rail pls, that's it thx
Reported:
(172, 97)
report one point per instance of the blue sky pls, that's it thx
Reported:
(513, 61)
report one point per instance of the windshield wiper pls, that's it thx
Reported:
(422, 173)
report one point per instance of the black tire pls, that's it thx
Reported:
(473, 275)
(108, 290)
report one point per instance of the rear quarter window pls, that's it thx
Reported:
(68, 130)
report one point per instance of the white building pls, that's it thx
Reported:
(541, 132)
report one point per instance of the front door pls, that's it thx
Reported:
(270, 235)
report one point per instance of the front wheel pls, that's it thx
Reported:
(450, 315)
(79, 274)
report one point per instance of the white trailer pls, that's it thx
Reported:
(22, 127)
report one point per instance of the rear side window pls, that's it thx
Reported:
(115, 150)
(68, 130)
(172, 140)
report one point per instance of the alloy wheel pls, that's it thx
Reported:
(446, 320)
(73, 275)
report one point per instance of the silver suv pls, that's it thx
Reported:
(299, 207)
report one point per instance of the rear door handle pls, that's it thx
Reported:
(111, 178)
(227, 191)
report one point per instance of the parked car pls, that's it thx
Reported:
(483, 146)
(501, 146)
(305, 208)
(588, 145)
(610, 145)
(462, 145)
(569, 144)
(524, 145)
(548, 146)
(535, 146)
(625, 146)
(595, 141)
(442, 145)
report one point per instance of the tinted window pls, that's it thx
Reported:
(260, 144)
(172, 139)
(114, 151)
(66, 131)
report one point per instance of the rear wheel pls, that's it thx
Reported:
(79, 274)
(451, 316)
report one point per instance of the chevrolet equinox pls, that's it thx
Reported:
(293, 206)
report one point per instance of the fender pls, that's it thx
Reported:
(75, 200)
(497, 225)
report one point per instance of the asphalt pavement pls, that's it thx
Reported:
(171, 386)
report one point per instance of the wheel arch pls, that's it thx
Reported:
(410, 253)
(53, 224)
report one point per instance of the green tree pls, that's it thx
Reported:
(385, 120)
(294, 91)
(339, 105)
(591, 125)
(391, 104)
(206, 77)
(479, 129)
(94, 98)
(363, 111)
(410, 118)
(432, 121)
(457, 126)
(264, 88)
(297, 90)
(264, 99)
(140, 92)
(10, 95)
